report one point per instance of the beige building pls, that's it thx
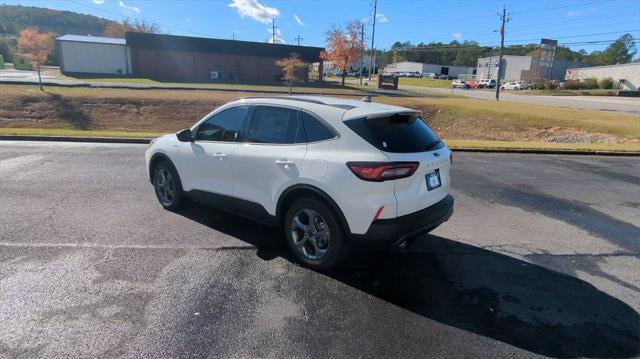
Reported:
(625, 76)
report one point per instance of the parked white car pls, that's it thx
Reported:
(486, 83)
(512, 86)
(459, 84)
(333, 173)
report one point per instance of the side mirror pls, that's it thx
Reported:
(185, 135)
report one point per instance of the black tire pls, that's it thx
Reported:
(336, 249)
(169, 193)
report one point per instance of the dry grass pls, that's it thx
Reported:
(160, 111)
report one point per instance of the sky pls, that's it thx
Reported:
(580, 24)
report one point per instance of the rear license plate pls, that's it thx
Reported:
(433, 180)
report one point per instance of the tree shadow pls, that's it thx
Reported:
(484, 292)
(70, 112)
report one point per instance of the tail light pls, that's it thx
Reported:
(382, 171)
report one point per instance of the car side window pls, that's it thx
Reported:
(270, 124)
(223, 126)
(315, 129)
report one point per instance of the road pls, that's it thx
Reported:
(627, 105)
(540, 258)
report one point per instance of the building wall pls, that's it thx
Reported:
(625, 76)
(94, 58)
(175, 65)
(428, 68)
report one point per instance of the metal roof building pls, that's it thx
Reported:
(93, 55)
(624, 76)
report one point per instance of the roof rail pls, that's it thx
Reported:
(281, 98)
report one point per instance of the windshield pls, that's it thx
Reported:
(397, 133)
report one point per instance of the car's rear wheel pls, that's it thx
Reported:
(167, 185)
(314, 234)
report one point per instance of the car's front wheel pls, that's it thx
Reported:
(314, 234)
(167, 185)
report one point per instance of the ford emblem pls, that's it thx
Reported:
(437, 154)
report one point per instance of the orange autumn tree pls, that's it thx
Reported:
(290, 67)
(344, 46)
(35, 47)
(118, 29)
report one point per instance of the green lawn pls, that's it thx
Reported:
(562, 92)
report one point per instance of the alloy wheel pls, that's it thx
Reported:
(310, 233)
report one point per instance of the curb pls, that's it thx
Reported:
(133, 140)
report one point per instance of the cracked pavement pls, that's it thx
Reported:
(540, 258)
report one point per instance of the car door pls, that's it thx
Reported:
(211, 153)
(271, 155)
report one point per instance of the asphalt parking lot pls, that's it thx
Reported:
(541, 258)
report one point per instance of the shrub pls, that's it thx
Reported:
(550, 85)
(606, 83)
(20, 63)
(591, 83)
(573, 85)
(538, 84)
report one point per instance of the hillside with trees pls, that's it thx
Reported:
(14, 19)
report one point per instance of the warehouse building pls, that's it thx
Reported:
(624, 76)
(194, 59)
(406, 66)
(180, 58)
(93, 55)
(516, 68)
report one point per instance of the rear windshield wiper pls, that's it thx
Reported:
(432, 144)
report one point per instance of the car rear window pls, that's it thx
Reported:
(397, 133)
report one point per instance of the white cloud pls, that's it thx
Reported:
(572, 13)
(187, 20)
(382, 19)
(278, 37)
(98, 2)
(128, 7)
(298, 20)
(456, 35)
(255, 10)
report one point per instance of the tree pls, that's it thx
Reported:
(344, 46)
(619, 52)
(35, 46)
(118, 29)
(290, 67)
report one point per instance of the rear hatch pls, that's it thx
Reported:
(405, 137)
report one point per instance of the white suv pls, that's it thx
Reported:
(332, 172)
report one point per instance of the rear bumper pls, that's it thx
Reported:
(396, 231)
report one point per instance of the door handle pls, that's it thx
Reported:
(285, 163)
(219, 155)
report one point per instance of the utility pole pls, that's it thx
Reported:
(299, 39)
(504, 19)
(362, 53)
(273, 31)
(373, 35)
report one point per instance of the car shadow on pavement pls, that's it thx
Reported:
(474, 289)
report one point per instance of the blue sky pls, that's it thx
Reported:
(569, 21)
